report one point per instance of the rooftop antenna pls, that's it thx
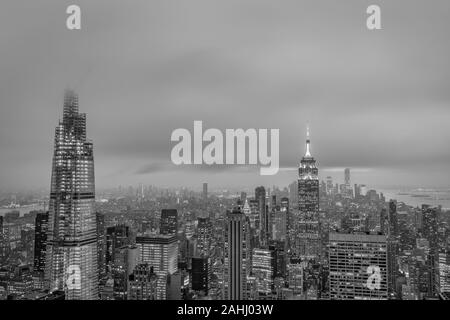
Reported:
(308, 152)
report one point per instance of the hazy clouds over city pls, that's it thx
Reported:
(377, 101)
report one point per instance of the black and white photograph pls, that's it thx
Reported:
(228, 156)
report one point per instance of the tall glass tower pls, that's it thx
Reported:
(71, 257)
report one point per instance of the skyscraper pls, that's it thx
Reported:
(330, 186)
(347, 185)
(2, 253)
(279, 249)
(101, 243)
(393, 247)
(358, 266)
(444, 272)
(295, 276)
(263, 263)
(384, 222)
(254, 215)
(205, 191)
(160, 252)
(125, 260)
(204, 236)
(236, 274)
(71, 257)
(284, 204)
(169, 221)
(307, 237)
(430, 232)
(279, 224)
(430, 227)
(347, 176)
(142, 283)
(357, 191)
(201, 274)
(393, 219)
(116, 237)
(40, 241)
(260, 196)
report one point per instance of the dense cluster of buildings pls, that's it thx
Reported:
(313, 240)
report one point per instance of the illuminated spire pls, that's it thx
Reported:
(308, 142)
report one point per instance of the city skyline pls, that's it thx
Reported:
(315, 240)
(233, 157)
(377, 102)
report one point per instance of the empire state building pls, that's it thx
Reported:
(307, 235)
(71, 257)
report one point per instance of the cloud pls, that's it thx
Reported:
(376, 100)
(212, 169)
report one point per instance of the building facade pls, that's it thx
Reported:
(236, 274)
(169, 221)
(40, 241)
(160, 252)
(358, 266)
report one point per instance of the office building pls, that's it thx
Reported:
(306, 243)
(260, 197)
(71, 255)
(117, 236)
(204, 236)
(358, 266)
(201, 274)
(205, 191)
(263, 262)
(40, 241)
(142, 283)
(235, 269)
(160, 252)
(169, 222)
(101, 244)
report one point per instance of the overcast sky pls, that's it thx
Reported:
(377, 101)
